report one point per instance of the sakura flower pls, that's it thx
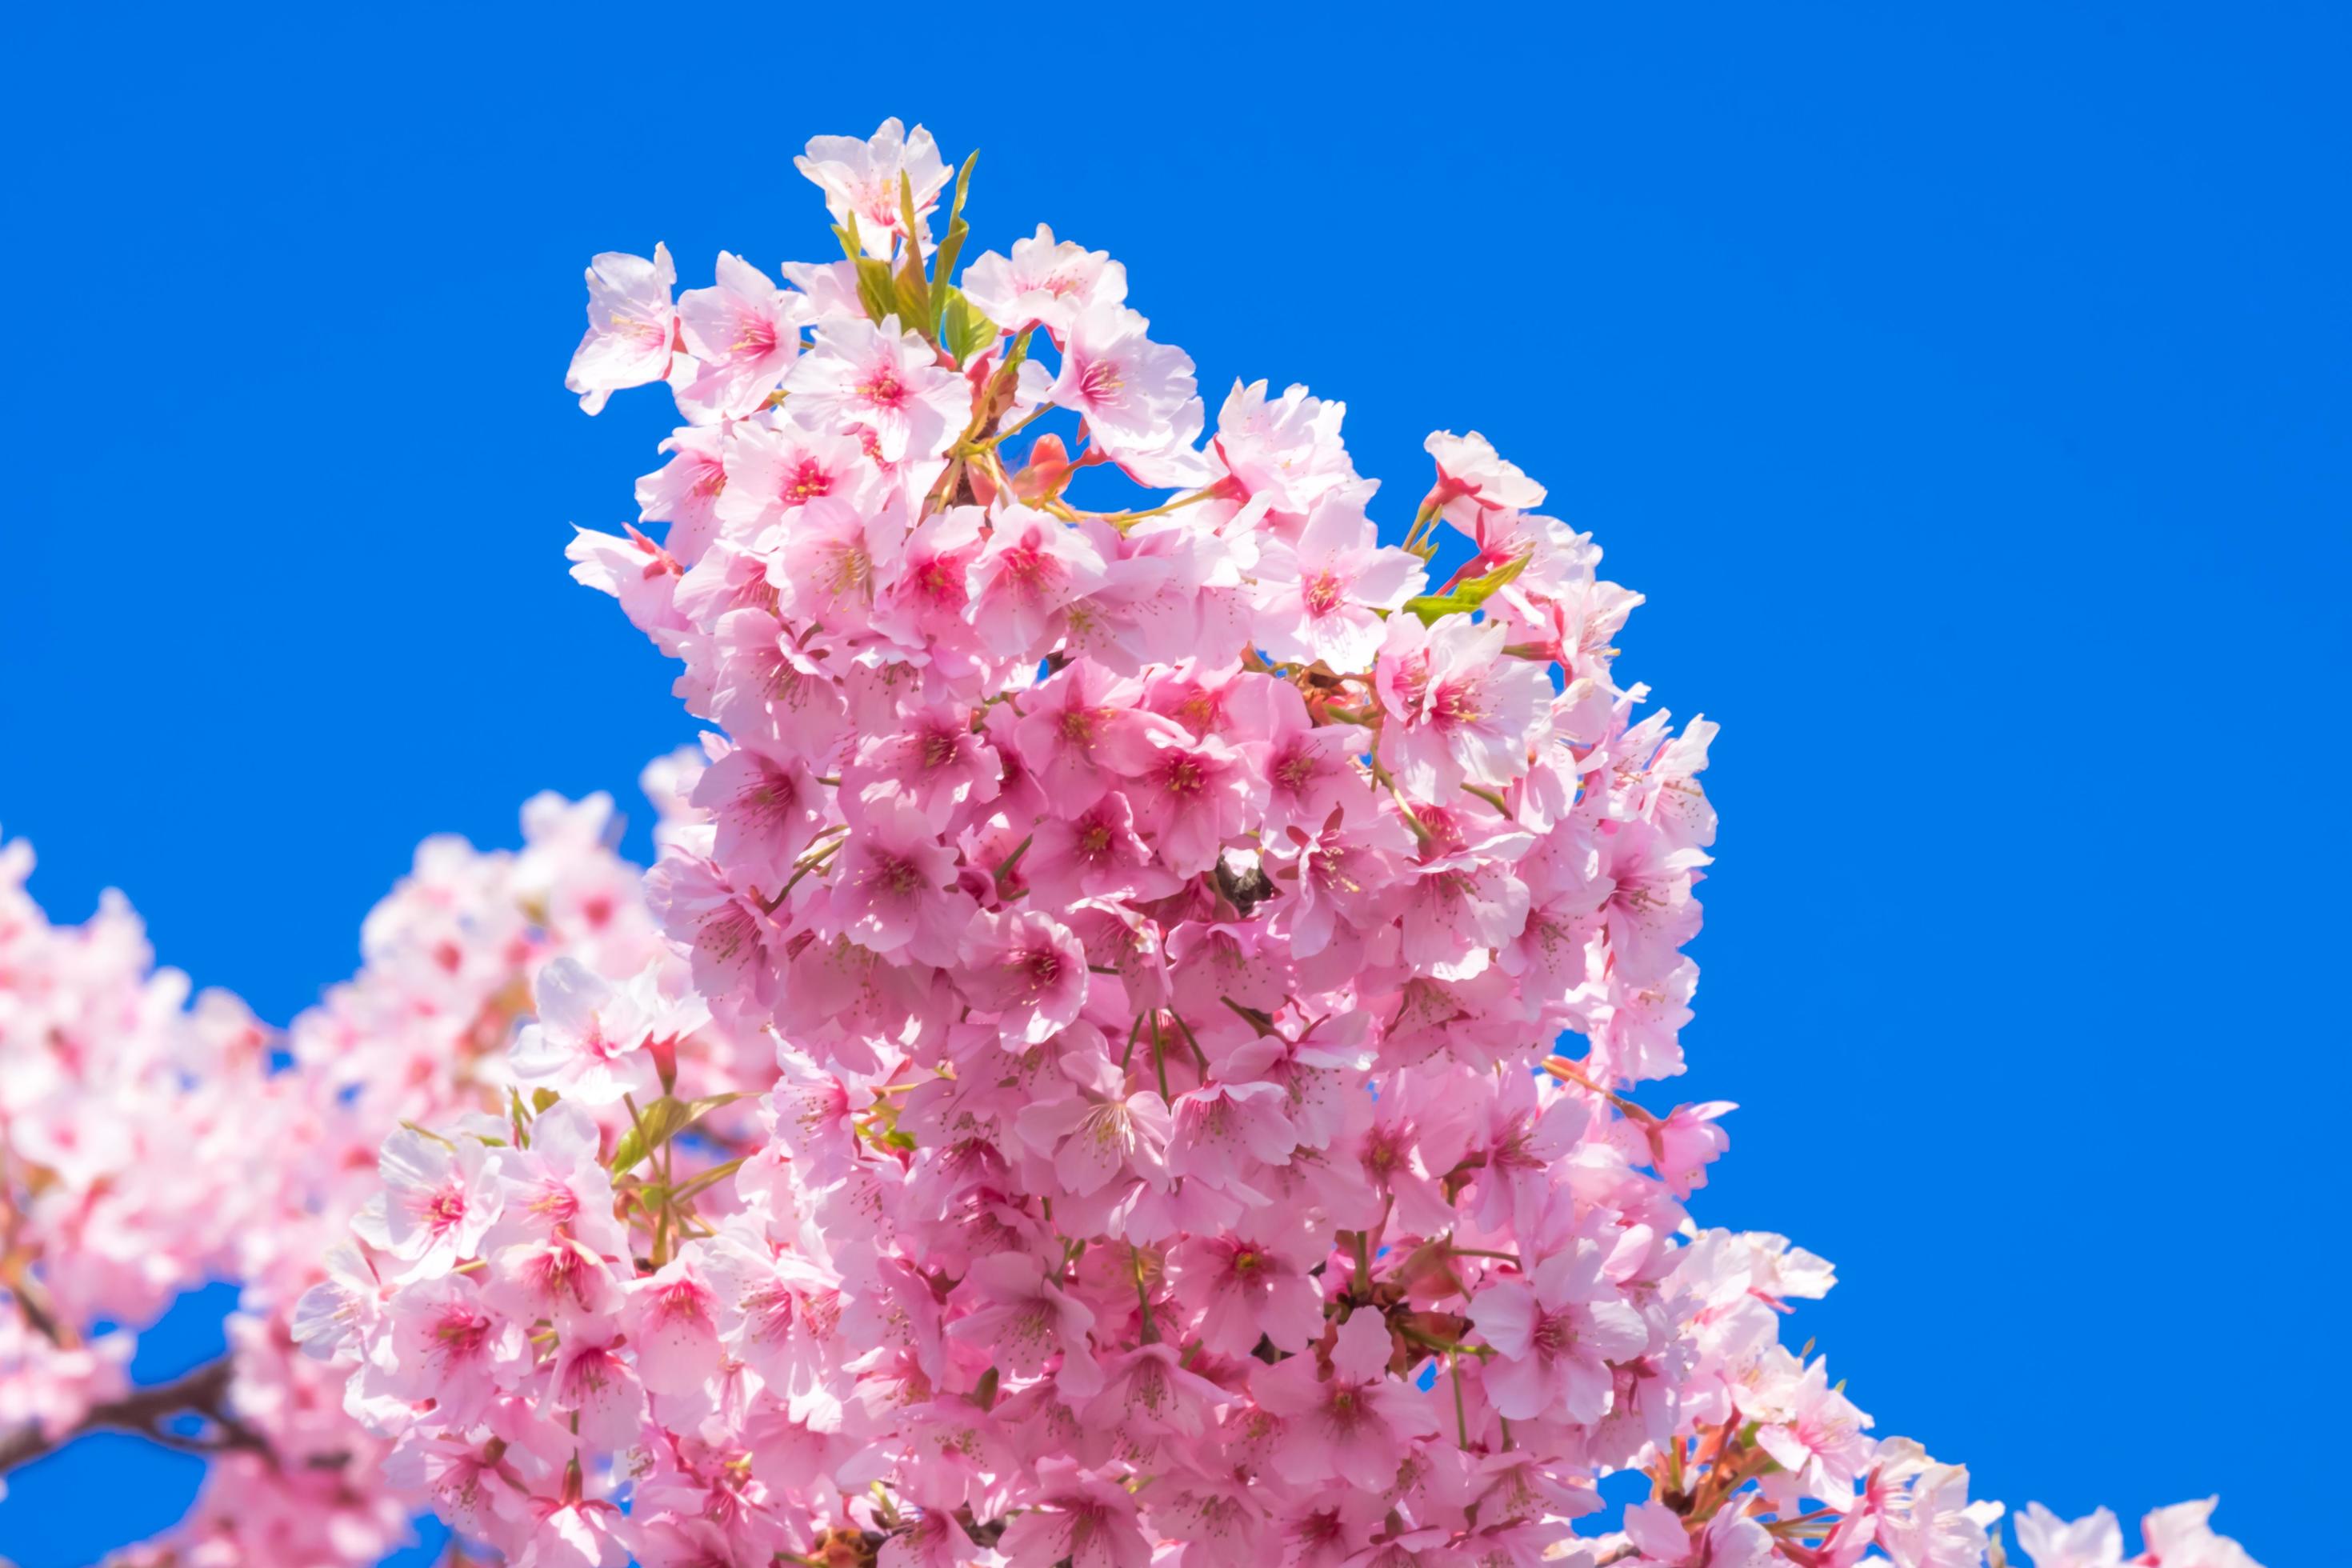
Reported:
(561, 1278)
(1471, 481)
(933, 1538)
(590, 1039)
(778, 1312)
(1930, 1522)
(631, 324)
(2095, 1541)
(1287, 449)
(589, 1379)
(557, 1185)
(744, 330)
(1063, 730)
(439, 1198)
(685, 492)
(766, 810)
(463, 1483)
(894, 886)
(860, 178)
(1463, 905)
(1026, 968)
(1147, 1396)
(1683, 1144)
(1815, 1433)
(770, 472)
(923, 605)
(837, 557)
(776, 691)
(731, 933)
(1136, 395)
(672, 1321)
(1081, 1519)
(1554, 1334)
(1224, 1131)
(1310, 770)
(1461, 711)
(1042, 283)
(1320, 597)
(1022, 584)
(452, 1347)
(1100, 1133)
(348, 1302)
(576, 1532)
(1188, 795)
(1730, 1539)
(1357, 1427)
(935, 761)
(1024, 1318)
(643, 575)
(881, 379)
(2180, 1537)
(1097, 854)
(1245, 1290)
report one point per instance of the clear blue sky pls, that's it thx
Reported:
(1969, 395)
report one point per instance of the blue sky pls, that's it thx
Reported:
(1968, 392)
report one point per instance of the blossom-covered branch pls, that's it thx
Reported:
(1141, 1044)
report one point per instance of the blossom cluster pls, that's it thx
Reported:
(1162, 919)
(1132, 1051)
(151, 1147)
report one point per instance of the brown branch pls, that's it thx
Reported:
(143, 1412)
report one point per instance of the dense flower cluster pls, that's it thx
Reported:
(1129, 1052)
(150, 1148)
(1161, 920)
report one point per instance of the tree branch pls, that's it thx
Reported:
(143, 1411)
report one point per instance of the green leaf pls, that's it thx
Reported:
(659, 1122)
(951, 246)
(875, 292)
(963, 331)
(541, 1098)
(1466, 597)
(914, 289)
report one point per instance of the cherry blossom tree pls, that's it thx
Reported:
(1138, 1047)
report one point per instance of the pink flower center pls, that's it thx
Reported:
(1100, 382)
(1555, 1335)
(807, 483)
(1457, 702)
(445, 1209)
(757, 335)
(1041, 967)
(1183, 775)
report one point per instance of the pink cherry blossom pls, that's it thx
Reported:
(1026, 968)
(1245, 1290)
(1556, 1334)
(439, 1198)
(630, 325)
(1320, 596)
(1472, 480)
(1043, 283)
(878, 378)
(894, 886)
(1137, 396)
(1023, 581)
(746, 334)
(1133, 1049)
(860, 179)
